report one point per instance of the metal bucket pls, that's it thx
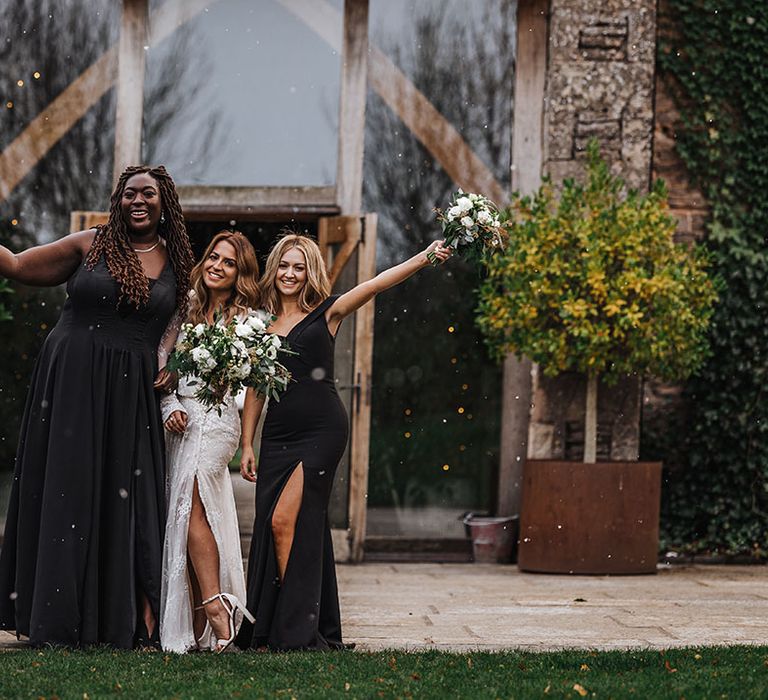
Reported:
(493, 539)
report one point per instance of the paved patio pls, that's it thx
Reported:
(472, 606)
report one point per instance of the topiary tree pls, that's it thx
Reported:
(593, 282)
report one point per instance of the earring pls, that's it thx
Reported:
(162, 217)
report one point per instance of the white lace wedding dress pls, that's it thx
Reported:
(203, 451)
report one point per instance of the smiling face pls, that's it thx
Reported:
(220, 268)
(140, 204)
(291, 272)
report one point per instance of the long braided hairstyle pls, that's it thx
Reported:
(113, 242)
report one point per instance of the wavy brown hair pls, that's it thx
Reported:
(113, 242)
(245, 294)
(316, 289)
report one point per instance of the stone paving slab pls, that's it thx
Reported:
(463, 607)
(471, 606)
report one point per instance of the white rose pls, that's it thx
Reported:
(199, 329)
(467, 222)
(256, 323)
(464, 204)
(244, 370)
(200, 356)
(454, 212)
(473, 197)
(244, 330)
(484, 216)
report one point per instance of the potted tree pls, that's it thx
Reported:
(592, 282)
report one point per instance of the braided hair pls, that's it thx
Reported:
(113, 242)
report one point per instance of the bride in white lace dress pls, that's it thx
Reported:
(203, 581)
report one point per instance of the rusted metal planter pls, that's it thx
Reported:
(590, 518)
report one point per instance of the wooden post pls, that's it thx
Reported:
(361, 418)
(354, 72)
(527, 162)
(134, 36)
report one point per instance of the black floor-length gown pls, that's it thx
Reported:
(308, 426)
(85, 523)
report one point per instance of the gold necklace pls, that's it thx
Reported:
(150, 249)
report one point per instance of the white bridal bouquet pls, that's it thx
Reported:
(471, 226)
(224, 357)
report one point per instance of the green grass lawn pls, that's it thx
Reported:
(710, 672)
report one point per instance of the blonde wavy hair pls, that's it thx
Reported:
(245, 294)
(316, 289)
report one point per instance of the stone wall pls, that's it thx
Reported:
(600, 82)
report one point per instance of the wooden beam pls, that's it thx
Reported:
(131, 63)
(239, 197)
(361, 418)
(354, 82)
(527, 160)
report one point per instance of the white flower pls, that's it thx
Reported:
(203, 359)
(243, 370)
(256, 323)
(244, 330)
(473, 197)
(199, 329)
(467, 222)
(276, 342)
(272, 352)
(454, 213)
(464, 204)
(484, 216)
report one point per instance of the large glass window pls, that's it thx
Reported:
(254, 97)
(436, 397)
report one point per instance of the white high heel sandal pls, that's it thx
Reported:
(231, 604)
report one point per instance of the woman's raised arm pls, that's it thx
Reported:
(351, 301)
(47, 265)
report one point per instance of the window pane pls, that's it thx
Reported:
(261, 91)
(436, 400)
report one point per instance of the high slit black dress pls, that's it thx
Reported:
(84, 532)
(306, 429)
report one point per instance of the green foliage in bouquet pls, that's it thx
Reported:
(594, 283)
(222, 358)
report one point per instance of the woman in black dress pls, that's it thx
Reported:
(81, 557)
(291, 573)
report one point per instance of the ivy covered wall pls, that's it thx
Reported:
(713, 65)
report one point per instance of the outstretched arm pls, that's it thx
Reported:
(351, 301)
(47, 265)
(252, 408)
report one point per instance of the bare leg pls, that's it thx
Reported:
(285, 515)
(204, 553)
(148, 615)
(195, 598)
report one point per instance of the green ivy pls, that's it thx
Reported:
(716, 65)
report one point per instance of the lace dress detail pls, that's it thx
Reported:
(203, 451)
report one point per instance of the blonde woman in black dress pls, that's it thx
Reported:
(291, 574)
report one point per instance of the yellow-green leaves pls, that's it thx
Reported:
(593, 281)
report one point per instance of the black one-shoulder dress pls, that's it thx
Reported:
(84, 531)
(308, 426)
